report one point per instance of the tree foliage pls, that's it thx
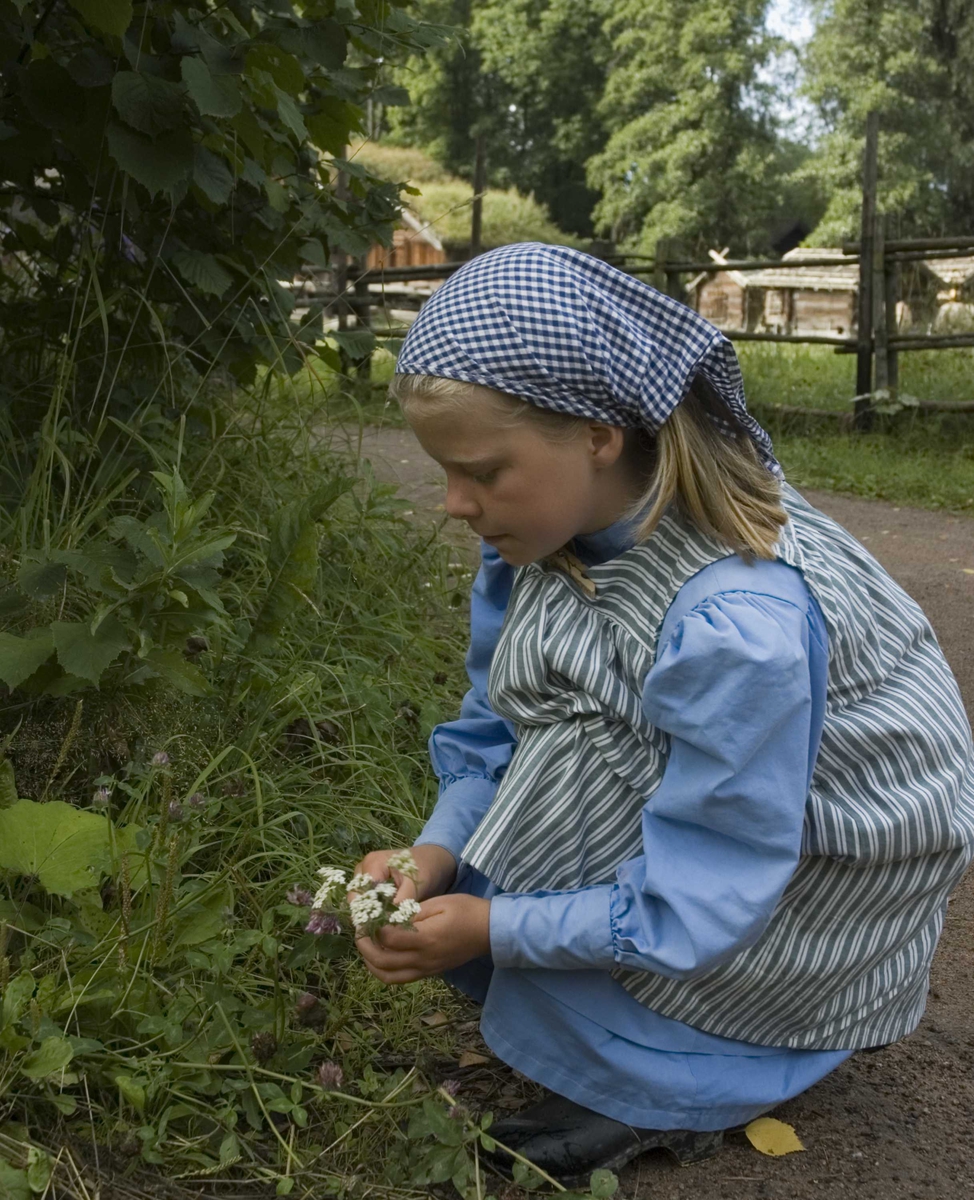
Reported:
(912, 61)
(693, 151)
(164, 166)
(527, 76)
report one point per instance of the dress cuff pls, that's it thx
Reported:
(562, 931)
(457, 814)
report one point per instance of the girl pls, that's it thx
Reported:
(713, 783)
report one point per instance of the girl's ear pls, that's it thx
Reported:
(605, 443)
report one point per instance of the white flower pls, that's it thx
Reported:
(333, 884)
(332, 875)
(404, 912)
(403, 862)
(364, 909)
(385, 889)
(360, 883)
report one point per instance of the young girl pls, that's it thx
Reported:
(713, 783)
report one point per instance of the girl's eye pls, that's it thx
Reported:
(487, 476)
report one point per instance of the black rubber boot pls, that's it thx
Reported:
(569, 1142)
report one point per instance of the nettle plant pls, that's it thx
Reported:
(164, 166)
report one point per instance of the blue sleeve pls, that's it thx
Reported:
(739, 685)
(470, 755)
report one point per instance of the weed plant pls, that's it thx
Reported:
(163, 1007)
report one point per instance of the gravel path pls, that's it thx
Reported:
(889, 1125)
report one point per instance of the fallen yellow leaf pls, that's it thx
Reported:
(435, 1018)
(769, 1136)
(469, 1058)
(968, 570)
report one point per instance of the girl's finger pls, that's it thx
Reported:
(387, 960)
(399, 939)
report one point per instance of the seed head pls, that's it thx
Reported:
(330, 1076)
(160, 759)
(263, 1046)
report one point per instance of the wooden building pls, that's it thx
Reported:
(414, 244)
(809, 299)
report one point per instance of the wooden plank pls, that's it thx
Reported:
(479, 187)
(741, 264)
(811, 339)
(934, 243)
(864, 350)
(880, 332)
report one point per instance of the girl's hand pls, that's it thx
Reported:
(437, 871)
(447, 932)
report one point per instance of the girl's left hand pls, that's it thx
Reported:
(447, 932)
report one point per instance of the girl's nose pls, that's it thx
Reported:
(460, 503)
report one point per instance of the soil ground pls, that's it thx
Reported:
(897, 1124)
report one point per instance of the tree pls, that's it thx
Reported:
(912, 61)
(693, 150)
(526, 76)
(164, 165)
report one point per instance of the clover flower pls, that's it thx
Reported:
(320, 923)
(197, 802)
(160, 759)
(330, 1076)
(300, 897)
(176, 811)
(451, 1086)
(102, 798)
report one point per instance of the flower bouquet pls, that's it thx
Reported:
(372, 906)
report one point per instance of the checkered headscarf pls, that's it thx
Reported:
(568, 332)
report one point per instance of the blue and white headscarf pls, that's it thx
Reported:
(568, 332)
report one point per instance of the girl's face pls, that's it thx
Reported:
(525, 495)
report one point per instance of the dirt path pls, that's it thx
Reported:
(894, 1124)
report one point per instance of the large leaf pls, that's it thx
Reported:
(41, 580)
(203, 919)
(292, 560)
(172, 666)
(324, 42)
(213, 95)
(159, 164)
(50, 1058)
(88, 654)
(21, 656)
(212, 175)
(146, 102)
(107, 16)
(202, 271)
(67, 848)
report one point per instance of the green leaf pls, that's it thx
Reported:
(146, 102)
(213, 95)
(212, 175)
(203, 919)
(21, 656)
(603, 1184)
(41, 580)
(107, 16)
(324, 42)
(357, 343)
(51, 1057)
(313, 252)
(132, 1090)
(177, 670)
(8, 785)
(282, 67)
(291, 116)
(159, 164)
(39, 1168)
(202, 271)
(87, 654)
(292, 560)
(67, 848)
(16, 997)
(13, 1183)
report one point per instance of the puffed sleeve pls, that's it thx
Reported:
(739, 685)
(470, 755)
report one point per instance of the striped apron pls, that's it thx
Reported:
(889, 819)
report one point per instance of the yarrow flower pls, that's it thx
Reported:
(403, 862)
(404, 912)
(385, 889)
(331, 875)
(359, 883)
(364, 908)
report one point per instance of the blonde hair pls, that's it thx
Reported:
(713, 475)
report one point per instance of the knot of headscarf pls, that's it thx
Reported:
(568, 332)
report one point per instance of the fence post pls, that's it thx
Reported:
(660, 273)
(363, 314)
(891, 283)
(862, 415)
(479, 184)
(880, 328)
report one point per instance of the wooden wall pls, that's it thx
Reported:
(722, 302)
(408, 250)
(823, 312)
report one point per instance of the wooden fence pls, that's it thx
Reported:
(877, 343)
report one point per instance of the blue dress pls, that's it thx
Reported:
(739, 683)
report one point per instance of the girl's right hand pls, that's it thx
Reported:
(436, 866)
